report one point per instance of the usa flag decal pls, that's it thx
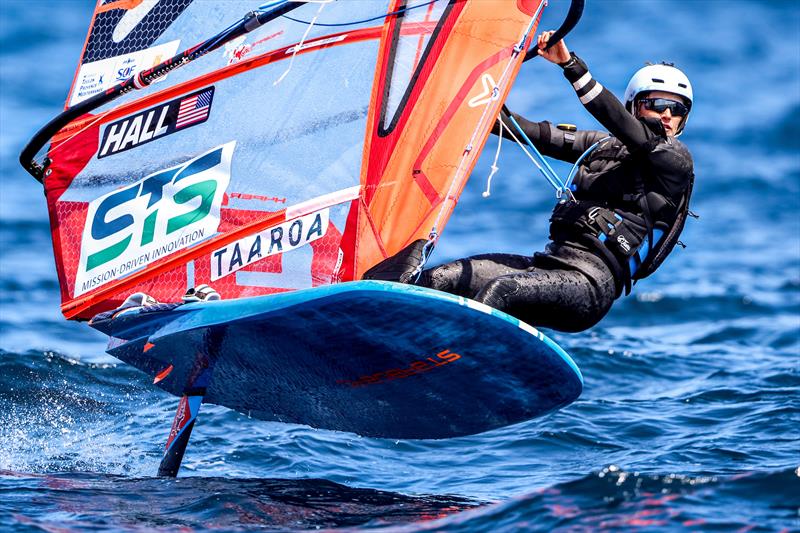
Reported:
(156, 122)
(194, 109)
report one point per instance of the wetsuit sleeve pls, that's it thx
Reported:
(605, 107)
(549, 140)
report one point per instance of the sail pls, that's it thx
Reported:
(297, 155)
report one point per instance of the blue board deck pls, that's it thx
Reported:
(374, 358)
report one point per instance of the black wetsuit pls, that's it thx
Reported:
(631, 191)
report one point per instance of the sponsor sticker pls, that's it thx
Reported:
(167, 211)
(421, 366)
(278, 239)
(97, 76)
(238, 49)
(156, 122)
(125, 70)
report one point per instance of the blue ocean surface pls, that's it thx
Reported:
(690, 416)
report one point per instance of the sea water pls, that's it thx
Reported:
(690, 418)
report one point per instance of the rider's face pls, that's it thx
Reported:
(666, 117)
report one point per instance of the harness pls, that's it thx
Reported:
(632, 244)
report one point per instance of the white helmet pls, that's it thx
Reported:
(662, 77)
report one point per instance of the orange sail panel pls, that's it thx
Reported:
(424, 152)
(296, 156)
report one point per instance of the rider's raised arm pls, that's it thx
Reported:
(605, 107)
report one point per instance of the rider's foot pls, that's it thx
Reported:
(201, 293)
(138, 299)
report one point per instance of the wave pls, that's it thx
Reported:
(207, 504)
(611, 498)
(617, 499)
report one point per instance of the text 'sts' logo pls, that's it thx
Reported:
(167, 211)
(156, 122)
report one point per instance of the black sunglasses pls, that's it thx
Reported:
(659, 105)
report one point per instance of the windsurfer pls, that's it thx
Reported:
(629, 192)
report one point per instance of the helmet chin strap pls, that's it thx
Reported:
(679, 131)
